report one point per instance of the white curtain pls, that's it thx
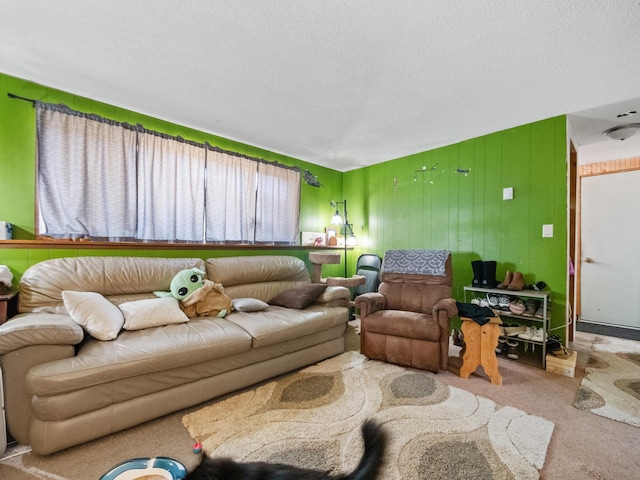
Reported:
(277, 204)
(170, 190)
(101, 179)
(231, 198)
(86, 177)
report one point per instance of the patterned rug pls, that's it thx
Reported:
(611, 386)
(312, 419)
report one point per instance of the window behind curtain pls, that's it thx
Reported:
(86, 177)
(101, 179)
(170, 190)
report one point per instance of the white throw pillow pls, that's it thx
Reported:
(152, 312)
(98, 316)
(249, 304)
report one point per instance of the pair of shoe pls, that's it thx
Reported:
(555, 347)
(508, 346)
(501, 302)
(484, 273)
(540, 311)
(512, 281)
(481, 302)
(513, 347)
(517, 306)
(533, 334)
(511, 330)
(532, 305)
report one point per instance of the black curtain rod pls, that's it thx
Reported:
(12, 95)
(307, 176)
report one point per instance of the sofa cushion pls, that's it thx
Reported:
(152, 312)
(280, 324)
(396, 323)
(299, 297)
(94, 313)
(140, 352)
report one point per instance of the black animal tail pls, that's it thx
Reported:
(375, 443)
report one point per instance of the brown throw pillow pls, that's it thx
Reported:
(299, 297)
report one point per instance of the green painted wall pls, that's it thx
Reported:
(466, 214)
(17, 174)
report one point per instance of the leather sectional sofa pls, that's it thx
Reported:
(64, 387)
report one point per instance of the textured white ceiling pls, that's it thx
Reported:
(338, 83)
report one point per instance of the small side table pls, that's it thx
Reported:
(479, 349)
(8, 305)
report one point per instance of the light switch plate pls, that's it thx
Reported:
(547, 231)
(507, 193)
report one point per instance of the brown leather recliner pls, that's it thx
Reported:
(407, 321)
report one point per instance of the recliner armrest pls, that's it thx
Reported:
(369, 303)
(446, 305)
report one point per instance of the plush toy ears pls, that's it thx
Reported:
(162, 294)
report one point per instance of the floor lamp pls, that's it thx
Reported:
(350, 239)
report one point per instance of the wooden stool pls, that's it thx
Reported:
(480, 344)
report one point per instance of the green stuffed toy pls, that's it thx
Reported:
(198, 297)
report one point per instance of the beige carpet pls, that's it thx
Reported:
(312, 419)
(611, 386)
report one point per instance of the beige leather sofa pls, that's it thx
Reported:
(63, 387)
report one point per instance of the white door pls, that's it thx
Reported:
(610, 247)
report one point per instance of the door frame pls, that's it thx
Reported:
(589, 170)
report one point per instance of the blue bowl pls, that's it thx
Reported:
(137, 467)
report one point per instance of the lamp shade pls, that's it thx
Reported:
(622, 132)
(337, 219)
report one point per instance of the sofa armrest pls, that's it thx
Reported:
(334, 296)
(370, 302)
(39, 329)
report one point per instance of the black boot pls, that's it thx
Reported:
(477, 273)
(489, 274)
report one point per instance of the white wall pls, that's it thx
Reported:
(609, 150)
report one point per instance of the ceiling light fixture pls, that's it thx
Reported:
(622, 132)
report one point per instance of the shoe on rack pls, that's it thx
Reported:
(540, 311)
(512, 349)
(538, 335)
(502, 345)
(517, 306)
(503, 302)
(531, 307)
(455, 336)
(514, 330)
(527, 334)
(507, 280)
(517, 282)
(493, 300)
(481, 302)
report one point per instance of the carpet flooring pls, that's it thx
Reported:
(583, 446)
(311, 419)
(611, 386)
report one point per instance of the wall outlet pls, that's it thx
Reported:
(547, 231)
(507, 193)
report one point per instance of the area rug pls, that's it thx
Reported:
(312, 419)
(611, 385)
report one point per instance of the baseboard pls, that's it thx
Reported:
(608, 330)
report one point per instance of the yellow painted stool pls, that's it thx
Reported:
(480, 342)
